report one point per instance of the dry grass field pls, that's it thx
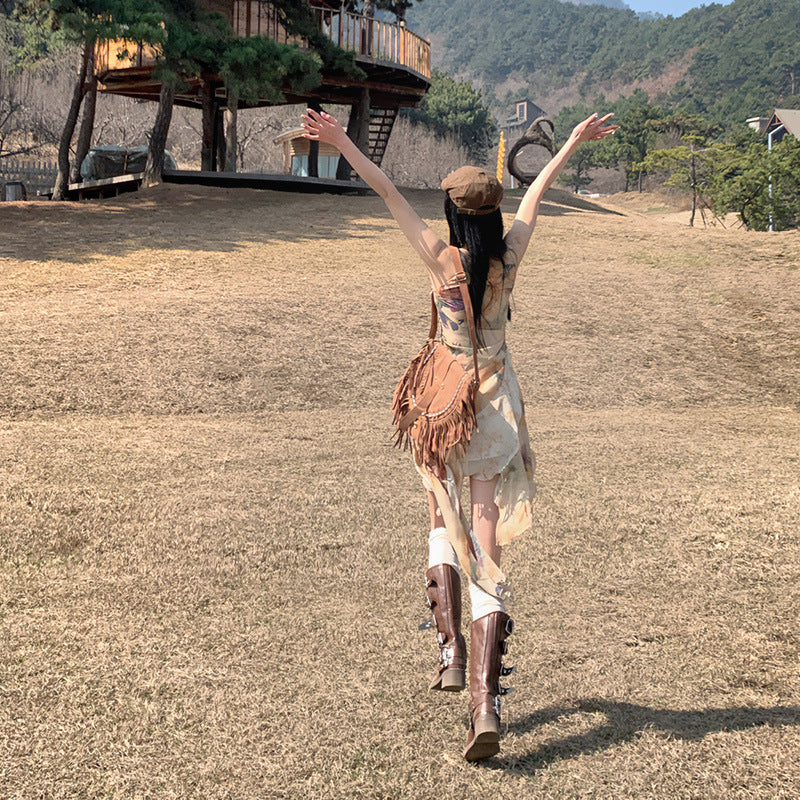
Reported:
(211, 558)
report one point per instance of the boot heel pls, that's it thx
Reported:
(453, 680)
(486, 739)
(486, 665)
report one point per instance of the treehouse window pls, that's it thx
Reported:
(326, 166)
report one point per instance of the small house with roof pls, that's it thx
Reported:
(776, 126)
(525, 112)
(783, 121)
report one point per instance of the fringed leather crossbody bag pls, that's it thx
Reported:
(434, 401)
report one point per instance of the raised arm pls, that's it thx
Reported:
(519, 235)
(322, 127)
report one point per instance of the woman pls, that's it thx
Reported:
(497, 461)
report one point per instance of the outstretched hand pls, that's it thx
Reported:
(322, 127)
(593, 128)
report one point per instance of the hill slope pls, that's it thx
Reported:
(729, 62)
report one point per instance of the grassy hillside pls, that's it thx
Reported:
(211, 557)
(728, 62)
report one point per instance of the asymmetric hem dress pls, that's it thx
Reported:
(500, 444)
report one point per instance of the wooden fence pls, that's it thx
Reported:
(37, 176)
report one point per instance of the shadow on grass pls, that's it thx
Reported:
(212, 219)
(202, 219)
(557, 202)
(624, 721)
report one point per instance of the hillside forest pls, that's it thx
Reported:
(727, 63)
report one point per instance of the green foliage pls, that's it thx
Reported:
(396, 7)
(576, 175)
(457, 107)
(26, 38)
(739, 59)
(299, 20)
(80, 21)
(195, 41)
(742, 177)
(627, 147)
(190, 40)
(735, 176)
(586, 156)
(256, 68)
(688, 165)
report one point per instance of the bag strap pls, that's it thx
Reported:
(462, 285)
(461, 278)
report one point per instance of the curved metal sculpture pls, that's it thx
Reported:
(539, 135)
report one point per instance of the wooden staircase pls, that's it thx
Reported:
(381, 121)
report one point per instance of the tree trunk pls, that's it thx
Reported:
(231, 134)
(62, 176)
(220, 145)
(158, 138)
(87, 124)
(694, 192)
(207, 146)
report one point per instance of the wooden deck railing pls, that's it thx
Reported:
(362, 35)
(365, 36)
(121, 54)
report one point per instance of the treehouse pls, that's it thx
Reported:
(396, 63)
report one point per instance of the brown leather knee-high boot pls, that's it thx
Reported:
(444, 599)
(487, 648)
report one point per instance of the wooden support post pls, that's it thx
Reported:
(231, 133)
(363, 122)
(313, 148)
(343, 168)
(358, 131)
(218, 164)
(207, 155)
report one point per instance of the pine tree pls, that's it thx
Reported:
(457, 107)
(83, 23)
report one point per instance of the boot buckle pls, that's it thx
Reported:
(506, 671)
(446, 656)
(496, 704)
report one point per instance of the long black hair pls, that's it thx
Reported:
(482, 237)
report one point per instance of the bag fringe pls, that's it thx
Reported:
(432, 437)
